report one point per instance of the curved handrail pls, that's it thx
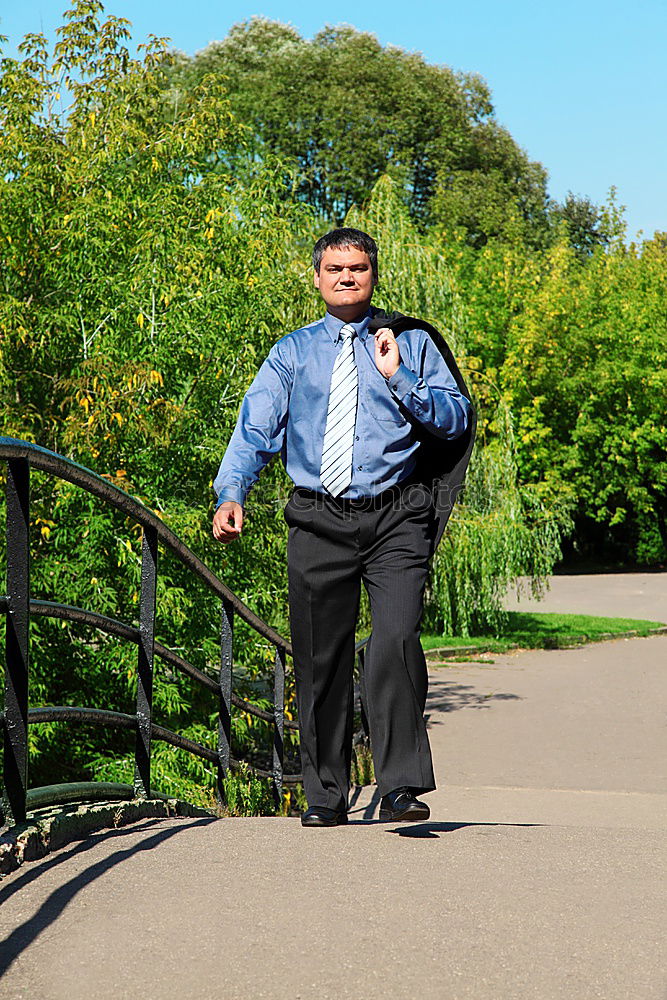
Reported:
(111, 626)
(121, 720)
(18, 606)
(79, 475)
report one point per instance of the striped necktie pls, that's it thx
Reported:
(336, 467)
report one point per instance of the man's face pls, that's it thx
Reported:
(345, 281)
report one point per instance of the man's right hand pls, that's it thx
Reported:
(227, 521)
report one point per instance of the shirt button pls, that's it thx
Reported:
(359, 468)
(357, 437)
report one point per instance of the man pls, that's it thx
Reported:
(347, 408)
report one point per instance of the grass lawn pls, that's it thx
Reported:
(543, 630)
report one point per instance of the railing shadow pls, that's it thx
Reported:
(23, 936)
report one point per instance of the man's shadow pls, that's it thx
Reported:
(432, 831)
(23, 936)
(421, 831)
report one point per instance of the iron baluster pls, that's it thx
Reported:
(17, 641)
(142, 759)
(224, 711)
(278, 724)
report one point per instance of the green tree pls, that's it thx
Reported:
(577, 350)
(345, 110)
(583, 224)
(585, 377)
(138, 293)
(492, 192)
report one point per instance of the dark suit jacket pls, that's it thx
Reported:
(441, 464)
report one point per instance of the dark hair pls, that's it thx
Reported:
(345, 237)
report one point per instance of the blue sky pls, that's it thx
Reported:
(580, 85)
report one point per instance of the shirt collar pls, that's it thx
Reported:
(333, 326)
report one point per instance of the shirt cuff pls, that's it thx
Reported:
(402, 381)
(231, 493)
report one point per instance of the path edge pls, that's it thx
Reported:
(437, 653)
(48, 830)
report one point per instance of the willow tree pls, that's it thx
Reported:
(501, 529)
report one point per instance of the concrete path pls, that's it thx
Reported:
(540, 875)
(619, 595)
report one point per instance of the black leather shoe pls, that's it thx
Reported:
(322, 816)
(401, 804)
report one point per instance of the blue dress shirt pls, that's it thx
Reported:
(285, 409)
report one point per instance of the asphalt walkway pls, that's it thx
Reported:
(540, 874)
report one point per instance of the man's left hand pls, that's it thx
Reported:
(387, 354)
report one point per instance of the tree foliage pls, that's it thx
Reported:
(345, 110)
(577, 350)
(138, 295)
(591, 403)
(584, 224)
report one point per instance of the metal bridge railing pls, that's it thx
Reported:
(18, 607)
